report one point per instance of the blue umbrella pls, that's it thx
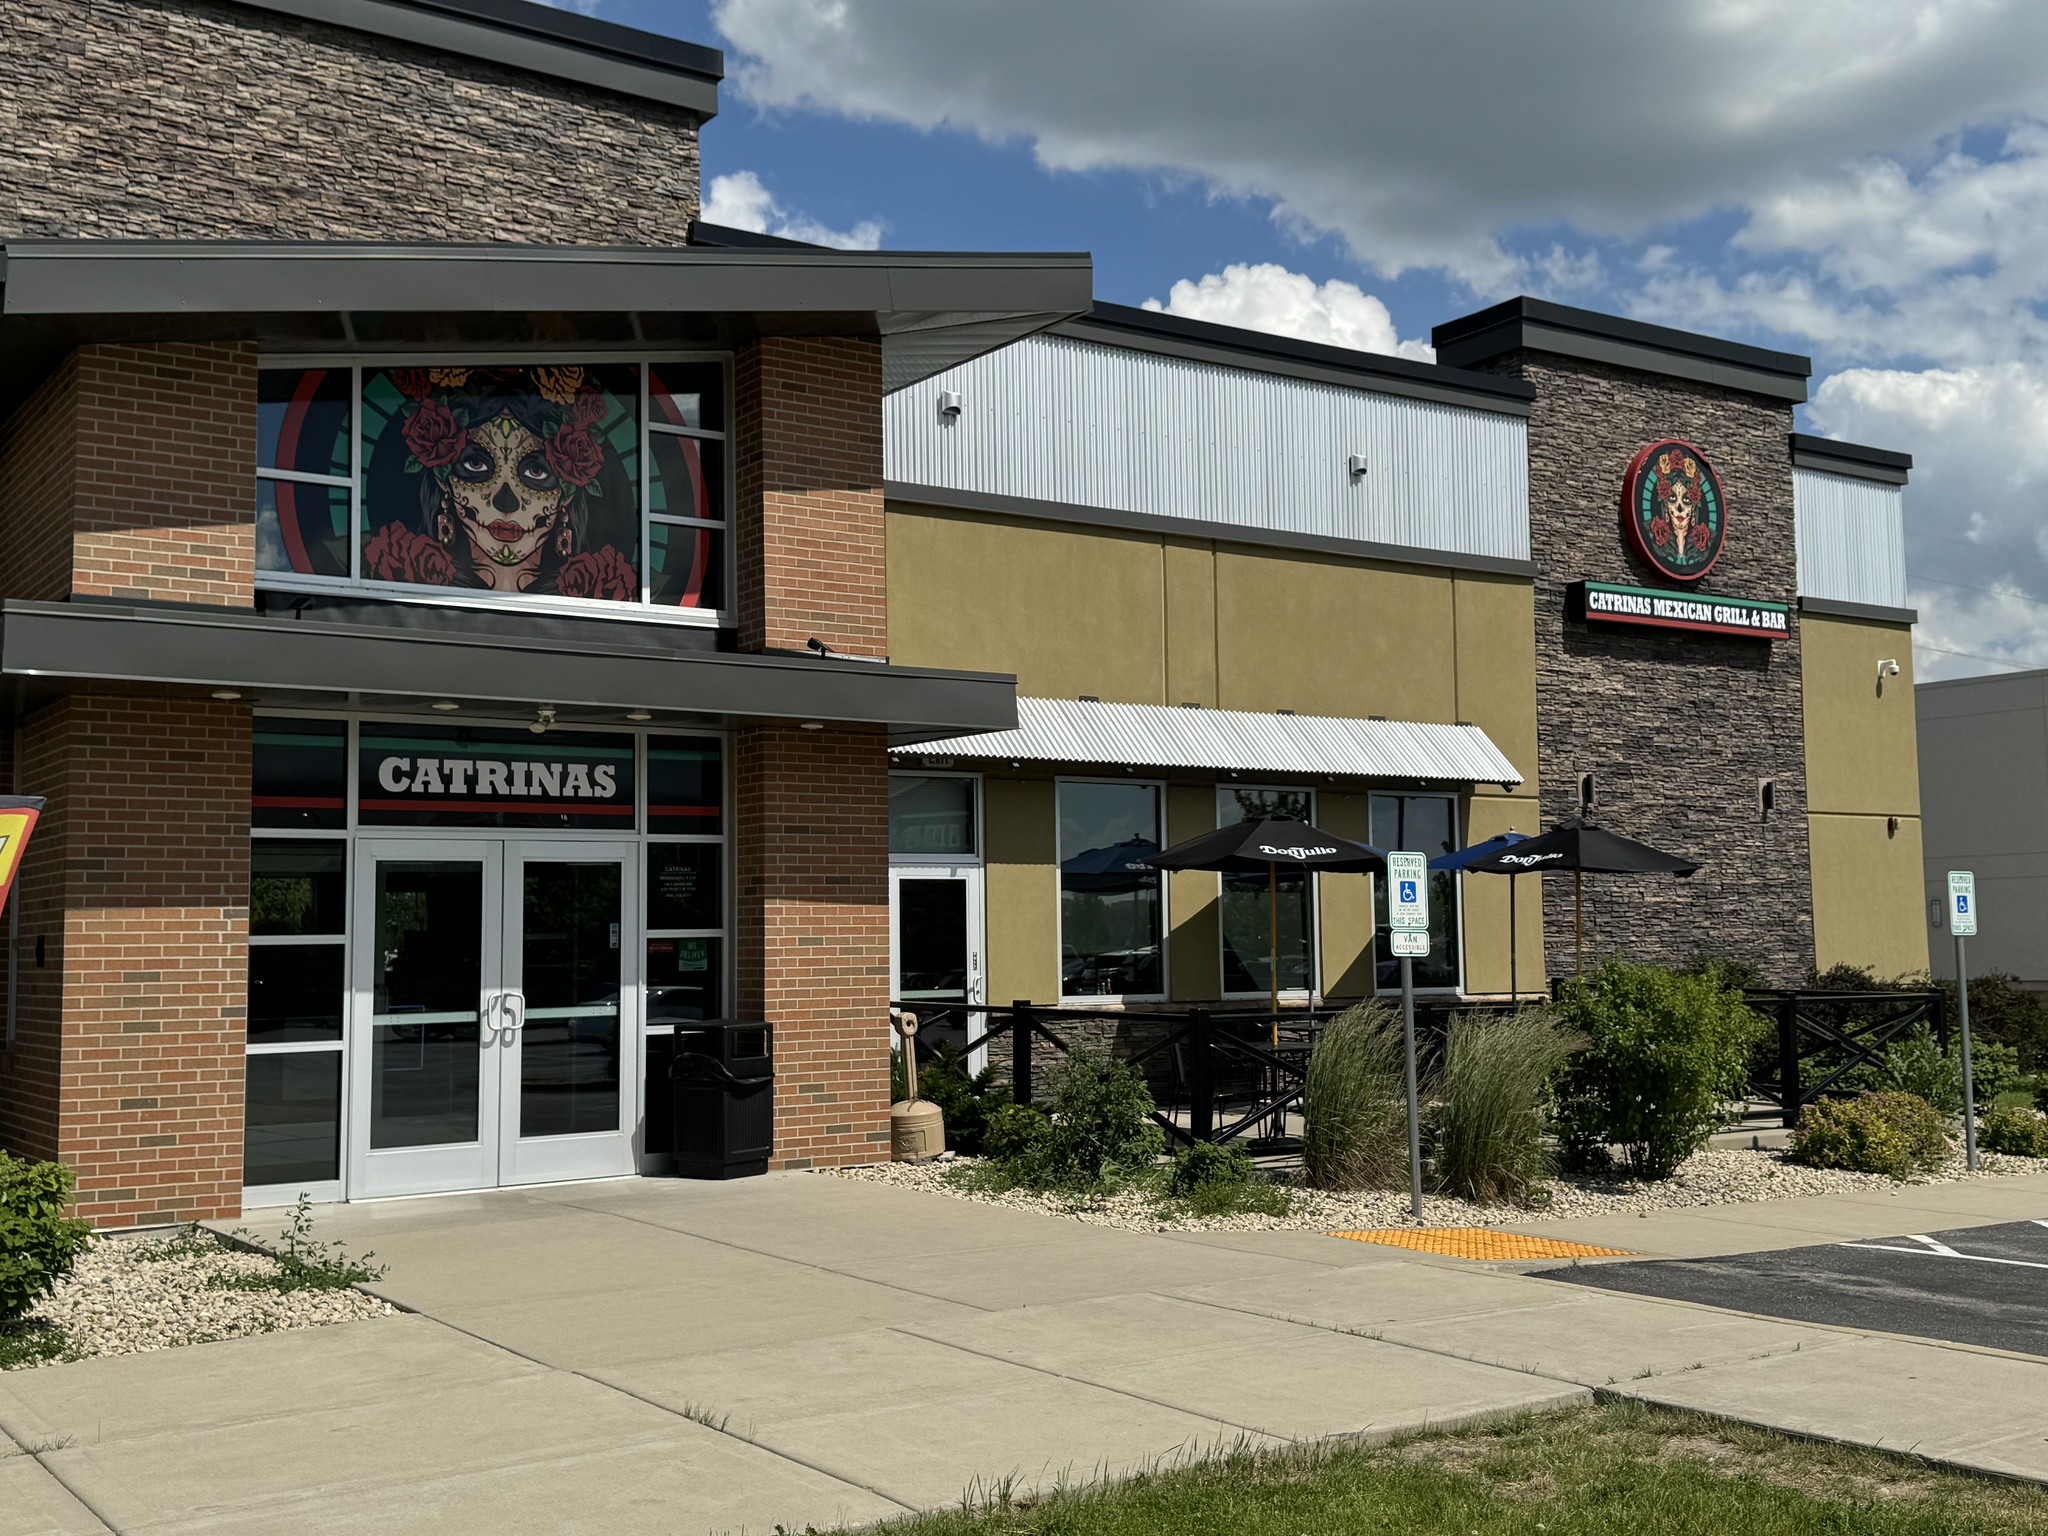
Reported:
(1464, 858)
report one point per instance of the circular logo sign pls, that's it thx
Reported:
(1672, 505)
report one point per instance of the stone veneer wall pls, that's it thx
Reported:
(1677, 728)
(204, 120)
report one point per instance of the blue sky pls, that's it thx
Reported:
(1865, 181)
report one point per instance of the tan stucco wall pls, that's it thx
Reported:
(1022, 891)
(1139, 618)
(1862, 769)
(1868, 905)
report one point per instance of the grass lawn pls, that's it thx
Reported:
(1613, 1470)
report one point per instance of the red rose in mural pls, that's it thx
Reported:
(399, 554)
(1660, 531)
(434, 435)
(1701, 537)
(598, 573)
(589, 407)
(574, 455)
(413, 383)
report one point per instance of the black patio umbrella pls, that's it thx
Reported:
(1463, 859)
(1581, 847)
(1269, 844)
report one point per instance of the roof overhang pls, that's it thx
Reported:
(1158, 736)
(594, 670)
(931, 309)
(1537, 325)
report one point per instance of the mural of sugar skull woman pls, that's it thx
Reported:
(509, 479)
(1674, 509)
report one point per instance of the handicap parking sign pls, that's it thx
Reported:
(1408, 904)
(1962, 903)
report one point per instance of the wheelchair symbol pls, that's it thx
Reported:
(1408, 891)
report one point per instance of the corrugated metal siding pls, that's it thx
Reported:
(1852, 539)
(1162, 736)
(1075, 422)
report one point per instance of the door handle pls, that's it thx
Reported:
(490, 1013)
(513, 1018)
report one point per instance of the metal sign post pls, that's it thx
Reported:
(1962, 923)
(1408, 917)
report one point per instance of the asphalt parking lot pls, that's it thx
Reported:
(1977, 1285)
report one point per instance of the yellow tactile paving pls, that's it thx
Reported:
(1480, 1243)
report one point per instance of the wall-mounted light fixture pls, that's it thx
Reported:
(543, 720)
(1766, 797)
(1588, 793)
(446, 706)
(226, 695)
(1356, 464)
(949, 404)
(638, 715)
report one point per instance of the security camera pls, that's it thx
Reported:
(1888, 668)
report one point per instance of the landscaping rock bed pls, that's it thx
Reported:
(128, 1294)
(1718, 1176)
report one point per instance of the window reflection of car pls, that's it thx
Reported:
(1112, 973)
(574, 1050)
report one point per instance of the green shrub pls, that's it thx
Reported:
(1894, 1134)
(1012, 1131)
(2003, 1012)
(966, 1099)
(1919, 1066)
(38, 1242)
(1491, 1093)
(1208, 1180)
(2041, 1092)
(2015, 1132)
(1100, 1134)
(1354, 1104)
(1665, 1055)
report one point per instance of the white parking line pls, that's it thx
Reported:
(1935, 1250)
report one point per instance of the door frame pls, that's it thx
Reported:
(499, 1157)
(969, 877)
(583, 1154)
(451, 1166)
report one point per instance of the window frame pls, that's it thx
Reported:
(1458, 806)
(1311, 886)
(642, 610)
(1105, 999)
(942, 860)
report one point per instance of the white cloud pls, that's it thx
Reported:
(1978, 505)
(1268, 297)
(743, 201)
(1422, 134)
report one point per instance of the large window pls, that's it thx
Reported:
(555, 482)
(1426, 824)
(1253, 912)
(1111, 924)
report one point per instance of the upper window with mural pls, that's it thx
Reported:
(555, 482)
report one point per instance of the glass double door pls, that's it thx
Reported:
(494, 1022)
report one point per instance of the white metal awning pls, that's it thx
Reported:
(1163, 736)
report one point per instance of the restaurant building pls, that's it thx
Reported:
(468, 617)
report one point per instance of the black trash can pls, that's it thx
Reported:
(722, 1084)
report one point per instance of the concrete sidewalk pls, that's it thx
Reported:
(667, 1356)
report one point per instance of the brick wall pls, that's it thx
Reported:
(131, 473)
(199, 119)
(812, 933)
(128, 1061)
(38, 465)
(809, 532)
(1678, 728)
(164, 491)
